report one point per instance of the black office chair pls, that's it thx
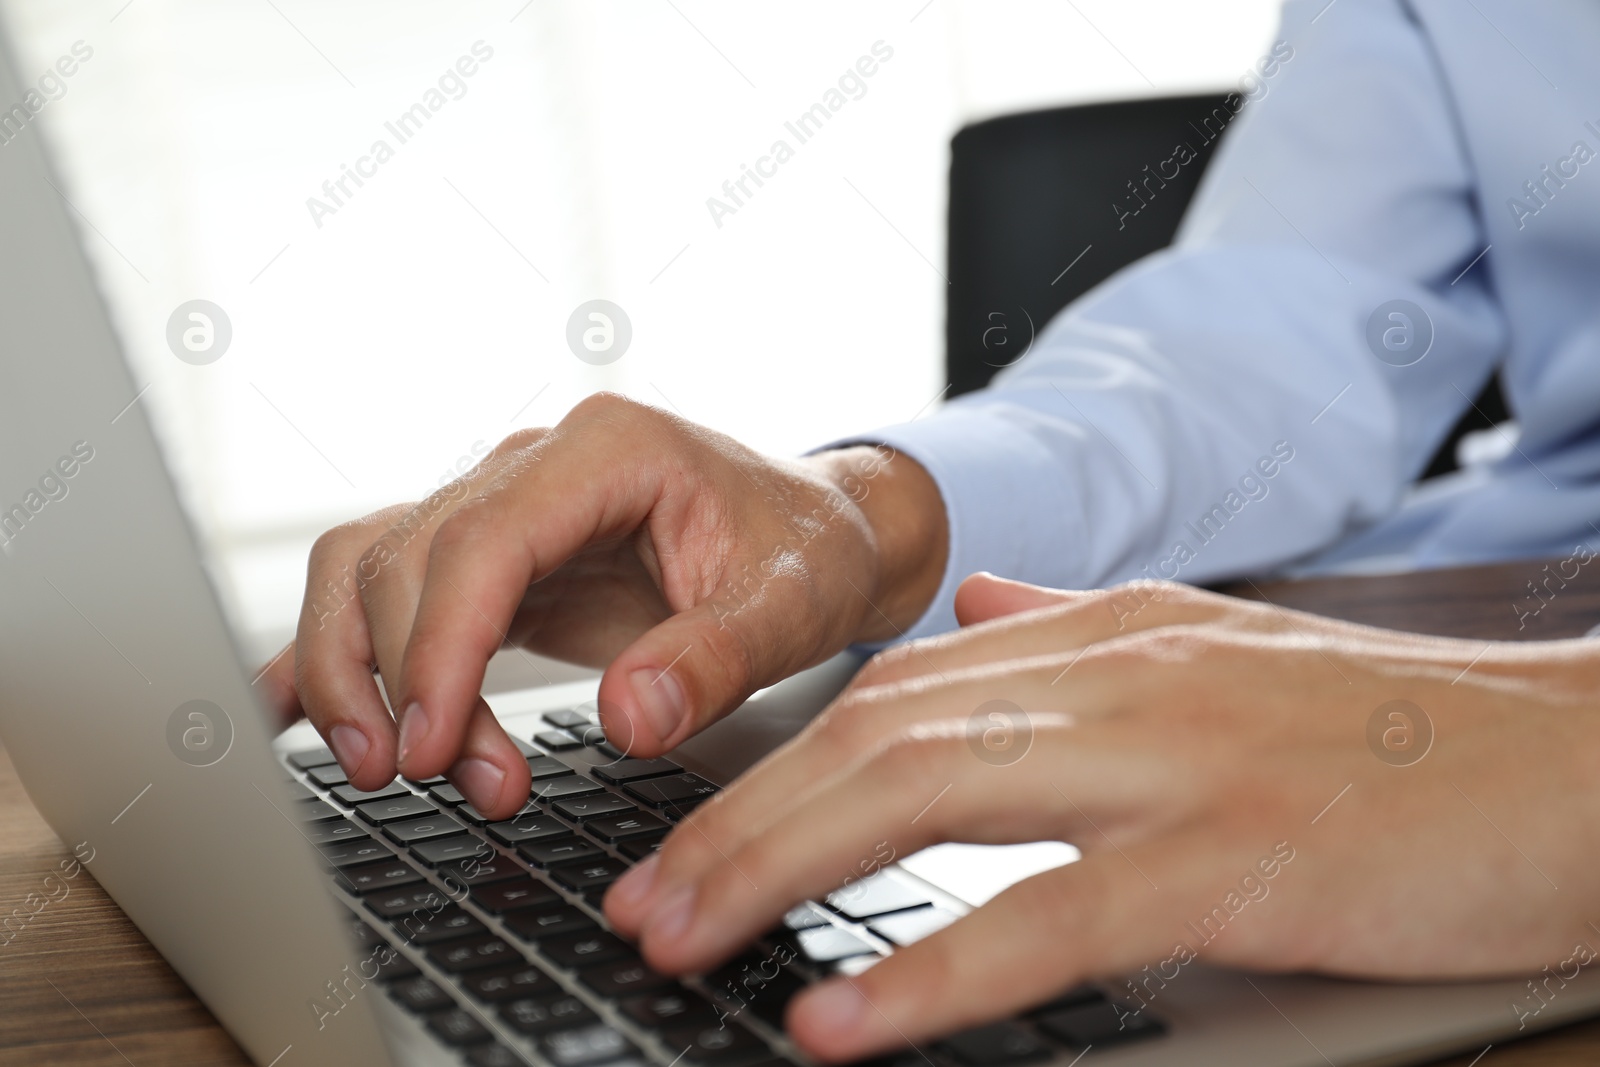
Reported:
(1044, 205)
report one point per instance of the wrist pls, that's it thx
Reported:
(909, 536)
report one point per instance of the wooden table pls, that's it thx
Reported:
(80, 985)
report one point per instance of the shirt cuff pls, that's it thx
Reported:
(1007, 506)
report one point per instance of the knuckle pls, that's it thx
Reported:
(913, 755)
(465, 527)
(521, 439)
(885, 665)
(609, 407)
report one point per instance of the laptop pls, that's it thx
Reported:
(325, 926)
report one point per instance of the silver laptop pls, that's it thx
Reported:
(326, 926)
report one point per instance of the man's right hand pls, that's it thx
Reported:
(693, 569)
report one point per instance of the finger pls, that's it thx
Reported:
(862, 720)
(1042, 622)
(921, 788)
(482, 559)
(685, 673)
(1043, 935)
(333, 663)
(983, 596)
(490, 771)
(275, 682)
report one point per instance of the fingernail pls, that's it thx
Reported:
(661, 698)
(835, 1005)
(634, 886)
(479, 780)
(349, 747)
(413, 728)
(672, 918)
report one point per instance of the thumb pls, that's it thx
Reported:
(984, 596)
(680, 676)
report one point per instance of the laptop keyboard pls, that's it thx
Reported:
(502, 953)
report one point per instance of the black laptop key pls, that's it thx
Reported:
(428, 927)
(446, 794)
(1099, 1023)
(371, 877)
(581, 808)
(502, 897)
(618, 827)
(327, 833)
(314, 811)
(678, 790)
(590, 735)
(715, 1044)
(328, 776)
(561, 850)
(420, 995)
(406, 899)
(585, 948)
(531, 827)
(756, 983)
(562, 719)
(573, 785)
(472, 954)
(393, 967)
(538, 924)
(591, 874)
(623, 978)
(542, 766)
(409, 806)
(674, 1006)
(438, 851)
(515, 982)
(350, 796)
(638, 848)
(496, 1055)
(590, 1044)
(422, 828)
(996, 1045)
(458, 1028)
(312, 757)
(629, 769)
(366, 936)
(557, 740)
(475, 871)
(348, 853)
(540, 1015)
(1084, 993)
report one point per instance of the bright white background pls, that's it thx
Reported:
(428, 314)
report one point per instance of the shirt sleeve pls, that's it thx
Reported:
(1271, 382)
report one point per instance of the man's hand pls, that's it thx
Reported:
(1231, 772)
(698, 570)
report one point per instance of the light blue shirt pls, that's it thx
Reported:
(1236, 404)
